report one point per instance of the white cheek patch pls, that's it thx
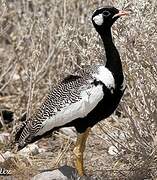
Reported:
(98, 19)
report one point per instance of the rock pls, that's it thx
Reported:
(16, 77)
(4, 137)
(42, 150)
(50, 175)
(62, 173)
(31, 149)
(112, 150)
(8, 154)
(69, 131)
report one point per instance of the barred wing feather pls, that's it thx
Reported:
(74, 97)
(86, 101)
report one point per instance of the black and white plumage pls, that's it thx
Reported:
(84, 99)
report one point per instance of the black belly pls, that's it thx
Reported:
(103, 110)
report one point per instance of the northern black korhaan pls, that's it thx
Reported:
(82, 100)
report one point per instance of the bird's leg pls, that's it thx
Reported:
(79, 149)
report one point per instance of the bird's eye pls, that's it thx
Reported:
(106, 13)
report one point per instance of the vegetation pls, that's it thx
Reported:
(43, 41)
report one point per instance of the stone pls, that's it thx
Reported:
(4, 137)
(62, 173)
(42, 150)
(69, 131)
(50, 175)
(8, 155)
(31, 149)
(112, 150)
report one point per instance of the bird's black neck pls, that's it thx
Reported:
(113, 59)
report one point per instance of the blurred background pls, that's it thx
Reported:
(41, 42)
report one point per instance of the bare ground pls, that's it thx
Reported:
(43, 41)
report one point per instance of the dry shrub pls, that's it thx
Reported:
(43, 41)
(136, 38)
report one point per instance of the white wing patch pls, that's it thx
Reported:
(105, 76)
(98, 19)
(90, 98)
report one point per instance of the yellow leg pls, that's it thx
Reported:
(79, 149)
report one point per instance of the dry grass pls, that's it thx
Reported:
(42, 41)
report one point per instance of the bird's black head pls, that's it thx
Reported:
(103, 18)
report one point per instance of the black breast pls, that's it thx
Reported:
(103, 110)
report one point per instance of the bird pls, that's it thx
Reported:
(82, 99)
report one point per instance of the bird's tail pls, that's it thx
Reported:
(16, 134)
